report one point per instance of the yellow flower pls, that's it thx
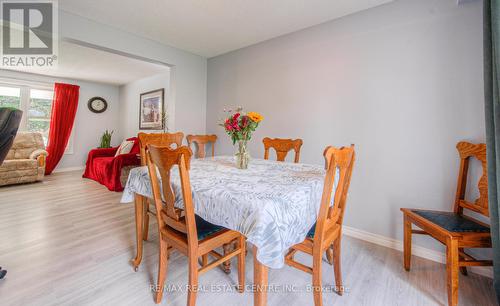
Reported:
(256, 117)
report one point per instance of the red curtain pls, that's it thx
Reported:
(64, 108)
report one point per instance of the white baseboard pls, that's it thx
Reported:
(416, 250)
(68, 169)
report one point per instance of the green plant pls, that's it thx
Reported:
(106, 139)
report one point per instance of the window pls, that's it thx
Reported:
(10, 97)
(36, 104)
(38, 115)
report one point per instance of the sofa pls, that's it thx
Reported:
(109, 170)
(25, 161)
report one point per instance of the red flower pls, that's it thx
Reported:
(244, 122)
(234, 122)
(228, 125)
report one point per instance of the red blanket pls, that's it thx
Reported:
(103, 167)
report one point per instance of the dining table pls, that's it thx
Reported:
(273, 204)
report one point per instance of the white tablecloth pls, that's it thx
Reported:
(274, 204)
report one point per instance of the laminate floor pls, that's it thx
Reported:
(68, 241)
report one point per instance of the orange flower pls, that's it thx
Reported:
(256, 117)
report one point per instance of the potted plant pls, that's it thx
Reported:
(239, 126)
(106, 139)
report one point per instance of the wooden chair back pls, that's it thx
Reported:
(466, 151)
(282, 147)
(163, 159)
(201, 141)
(339, 161)
(158, 139)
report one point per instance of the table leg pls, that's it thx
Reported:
(145, 219)
(139, 223)
(260, 276)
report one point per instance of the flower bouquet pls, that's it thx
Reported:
(239, 126)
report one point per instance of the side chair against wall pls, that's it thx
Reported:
(282, 147)
(201, 141)
(157, 139)
(181, 229)
(454, 229)
(327, 231)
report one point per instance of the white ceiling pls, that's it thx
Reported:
(213, 27)
(84, 63)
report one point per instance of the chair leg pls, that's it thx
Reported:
(336, 265)
(204, 260)
(241, 264)
(162, 270)
(463, 270)
(317, 288)
(226, 265)
(452, 270)
(407, 243)
(329, 255)
(193, 281)
(139, 224)
(146, 221)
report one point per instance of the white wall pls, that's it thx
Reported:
(188, 73)
(88, 126)
(129, 102)
(402, 81)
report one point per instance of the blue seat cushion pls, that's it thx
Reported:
(310, 234)
(205, 229)
(452, 222)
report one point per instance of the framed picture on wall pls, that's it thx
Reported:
(151, 110)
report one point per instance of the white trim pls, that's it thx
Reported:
(68, 169)
(13, 81)
(24, 105)
(415, 249)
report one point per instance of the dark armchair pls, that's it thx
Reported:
(9, 123)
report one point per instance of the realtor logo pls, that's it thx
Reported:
(29, 33)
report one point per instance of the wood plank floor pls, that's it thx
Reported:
(68, 241)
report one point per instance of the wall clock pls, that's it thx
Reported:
(97, 105)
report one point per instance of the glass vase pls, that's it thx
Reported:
(242, 156)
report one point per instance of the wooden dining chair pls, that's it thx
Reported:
(454, 229)
(326, 233)
(201, 141)
(181, 229)
(282, 147)
(158, 139)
